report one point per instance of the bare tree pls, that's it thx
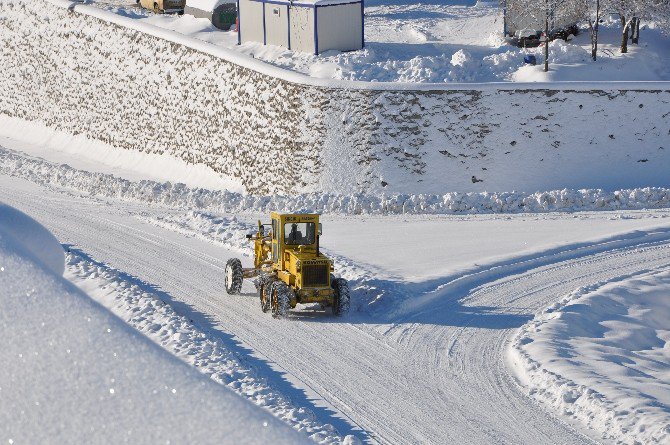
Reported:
(594, 25)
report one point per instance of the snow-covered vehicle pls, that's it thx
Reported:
(164, 6)
(289, 267)
(525, 20)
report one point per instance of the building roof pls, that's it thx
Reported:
(207, 5)
(311, 2)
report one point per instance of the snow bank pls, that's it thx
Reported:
(180, 196)
(601, 356)
(93, 155)
(34, 239)
(151, 90)
(74, 373)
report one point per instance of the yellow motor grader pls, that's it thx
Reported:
(289, 268)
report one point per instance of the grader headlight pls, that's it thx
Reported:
(298, 266)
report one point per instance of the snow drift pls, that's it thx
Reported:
(74, 373)
(34, 239)
(601, 356)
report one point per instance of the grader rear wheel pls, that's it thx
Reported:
(281, 299)
(233, 276)
(341, 303)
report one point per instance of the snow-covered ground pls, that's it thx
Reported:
(437, 299)
(601, 356)
(442, 41)
(568, 288)
(74, 373)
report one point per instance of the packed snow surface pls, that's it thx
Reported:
(601, 356)
(443, 41)
(75, 373)
(144, 309)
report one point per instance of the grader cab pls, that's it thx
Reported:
(289, 267)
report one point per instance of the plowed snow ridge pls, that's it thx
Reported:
(178, 195)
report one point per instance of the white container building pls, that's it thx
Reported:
(303, 25)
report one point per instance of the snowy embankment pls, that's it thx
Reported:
(73, 372)
(178, 195)
(601, 356)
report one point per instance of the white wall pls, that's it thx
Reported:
(276, 24)
(251, 21)
(339, 27)
(302, 29)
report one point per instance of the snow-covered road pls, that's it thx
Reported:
(435, 374)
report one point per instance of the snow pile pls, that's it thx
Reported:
(601, 356)
(74, 373)
(562, 52)
(144, 310)
(180, 196)
(35, 240)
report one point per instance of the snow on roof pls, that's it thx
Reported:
(313, 2)
(206, 5)
(210, 5)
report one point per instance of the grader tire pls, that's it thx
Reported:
(281, 299)
(265, 293)
(341, 299)
(233, 276)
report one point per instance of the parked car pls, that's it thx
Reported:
(222, 13)
(164, 6)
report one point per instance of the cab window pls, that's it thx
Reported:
(299, 233)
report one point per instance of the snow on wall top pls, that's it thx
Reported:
(303, 79)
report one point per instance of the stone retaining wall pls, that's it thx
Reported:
(133, 90)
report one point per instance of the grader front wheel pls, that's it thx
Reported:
(265, 291)
(281, 300)
(233, 276)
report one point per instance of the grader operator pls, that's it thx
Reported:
(289, 267)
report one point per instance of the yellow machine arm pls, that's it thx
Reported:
(262, 247)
